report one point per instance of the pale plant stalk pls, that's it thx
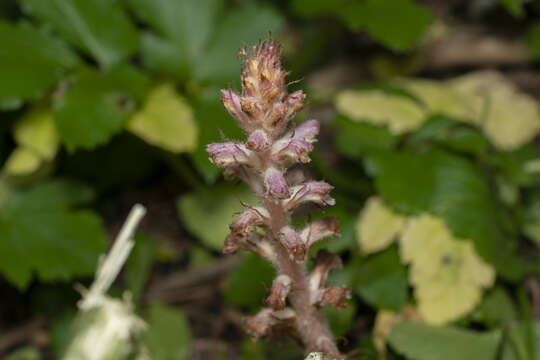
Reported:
(105, 327)
(264, 110)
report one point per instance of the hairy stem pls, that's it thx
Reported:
(311, 324)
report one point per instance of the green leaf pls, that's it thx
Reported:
(382, 281)
(497, 309)
(165, 120)
(358, 138)
(514, 7)
(310, 8)
(26, 353)
(530, 217)
(220, 63)
(99, 27)
(40, 232)
(128, 161)
(61, 332)
(182, 31)
(533, 39)
(452, 188)
(452, 134)
(248, 284)
(97, 105)
(168, 336)
(422, 342)
(192, 37)
(340, 321)
(515, 347)
(31, 63)
(139, 264)
(397, 24)
(519, 166)
(207, 212)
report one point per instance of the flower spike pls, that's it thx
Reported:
(264, 110)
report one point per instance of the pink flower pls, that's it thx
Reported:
(247, 220)
(228, 154)
(296, 144)
(317, 192)
(258, 140)
(295, 102)
(291, 241)
(275, 183)
(231, 101)
(306, 131)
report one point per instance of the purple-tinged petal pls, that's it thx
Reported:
(295, 102)
(258, 140)
(307, 131)
(292, 150)
(290, 239)
(317, 192)
(249, 218)
(232, 102)
(295, 145)
(228, 154)
(275, 183)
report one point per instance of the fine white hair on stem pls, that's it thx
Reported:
(112, 263)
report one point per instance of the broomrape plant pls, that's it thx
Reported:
(264, 110)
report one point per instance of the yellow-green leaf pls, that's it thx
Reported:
(399, 113)
(377, 226)
(438, 97)
(22, 161)
(36, 131)
(447, 274)
(510, 119)
(166, 120)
